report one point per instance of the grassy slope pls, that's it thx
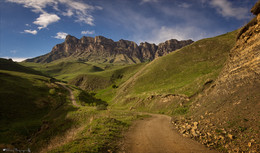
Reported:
(64, 70)
(13, 66)
(25, 102)
(183, 72)
(36, 117)
(87, 75)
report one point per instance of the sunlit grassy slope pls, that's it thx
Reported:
(182, 72)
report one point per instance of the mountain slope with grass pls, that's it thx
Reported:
(37, 113)
(26, 99)
(180, 74)
(210, 87)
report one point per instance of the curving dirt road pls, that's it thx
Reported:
(72, 97)
(156, 135)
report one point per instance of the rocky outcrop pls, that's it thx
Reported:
(104, 50)
(256, 8)
(170, 45)
(228, 110)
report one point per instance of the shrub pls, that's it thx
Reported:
(52, 91)
(101, 107)
(114, 86)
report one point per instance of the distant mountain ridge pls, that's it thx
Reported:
(104, 50)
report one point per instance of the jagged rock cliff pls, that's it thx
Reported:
(104, 50)
(228, 109)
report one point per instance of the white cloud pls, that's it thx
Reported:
(61, 35)
(147, 1)
(180, 33)
(45, 19)
(17, 59)
(68, 13)
(184, 5)
(34, 32)
(225, 8)
(87, 32)
(78, 9)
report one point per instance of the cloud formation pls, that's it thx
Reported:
(87, 32)
(61, 35)
(147, 1)
(175, 32)
(225, 8)
(78, 9)
(45, 19)
(184, 5)
(37, 6)
(34, 32)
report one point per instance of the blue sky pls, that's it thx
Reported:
(30, 28)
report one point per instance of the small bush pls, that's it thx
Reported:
(181, 110)
(101, 107)
(52, 91)
(114, 86)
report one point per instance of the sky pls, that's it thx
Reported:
(30, 28)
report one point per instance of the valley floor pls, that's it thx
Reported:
(156, 135)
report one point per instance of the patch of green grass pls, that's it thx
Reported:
(102, 133)
(181, 111)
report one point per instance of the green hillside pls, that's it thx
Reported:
(8, 64)
(163, 86)
(36, 113)
(183, 72)
(26, 101)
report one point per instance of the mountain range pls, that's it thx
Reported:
(210, 88)
(104, 50)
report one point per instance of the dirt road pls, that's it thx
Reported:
(156, 135)
(72, 97)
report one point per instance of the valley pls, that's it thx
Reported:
(99, 95)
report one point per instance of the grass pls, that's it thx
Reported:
(186, 70)
(25, 101)
(101, 134)
(41, 111)
(183, 72)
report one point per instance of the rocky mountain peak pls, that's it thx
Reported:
(256, 8)
(103, 40)
(70, 39)
(102, 49)
(86, 40)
